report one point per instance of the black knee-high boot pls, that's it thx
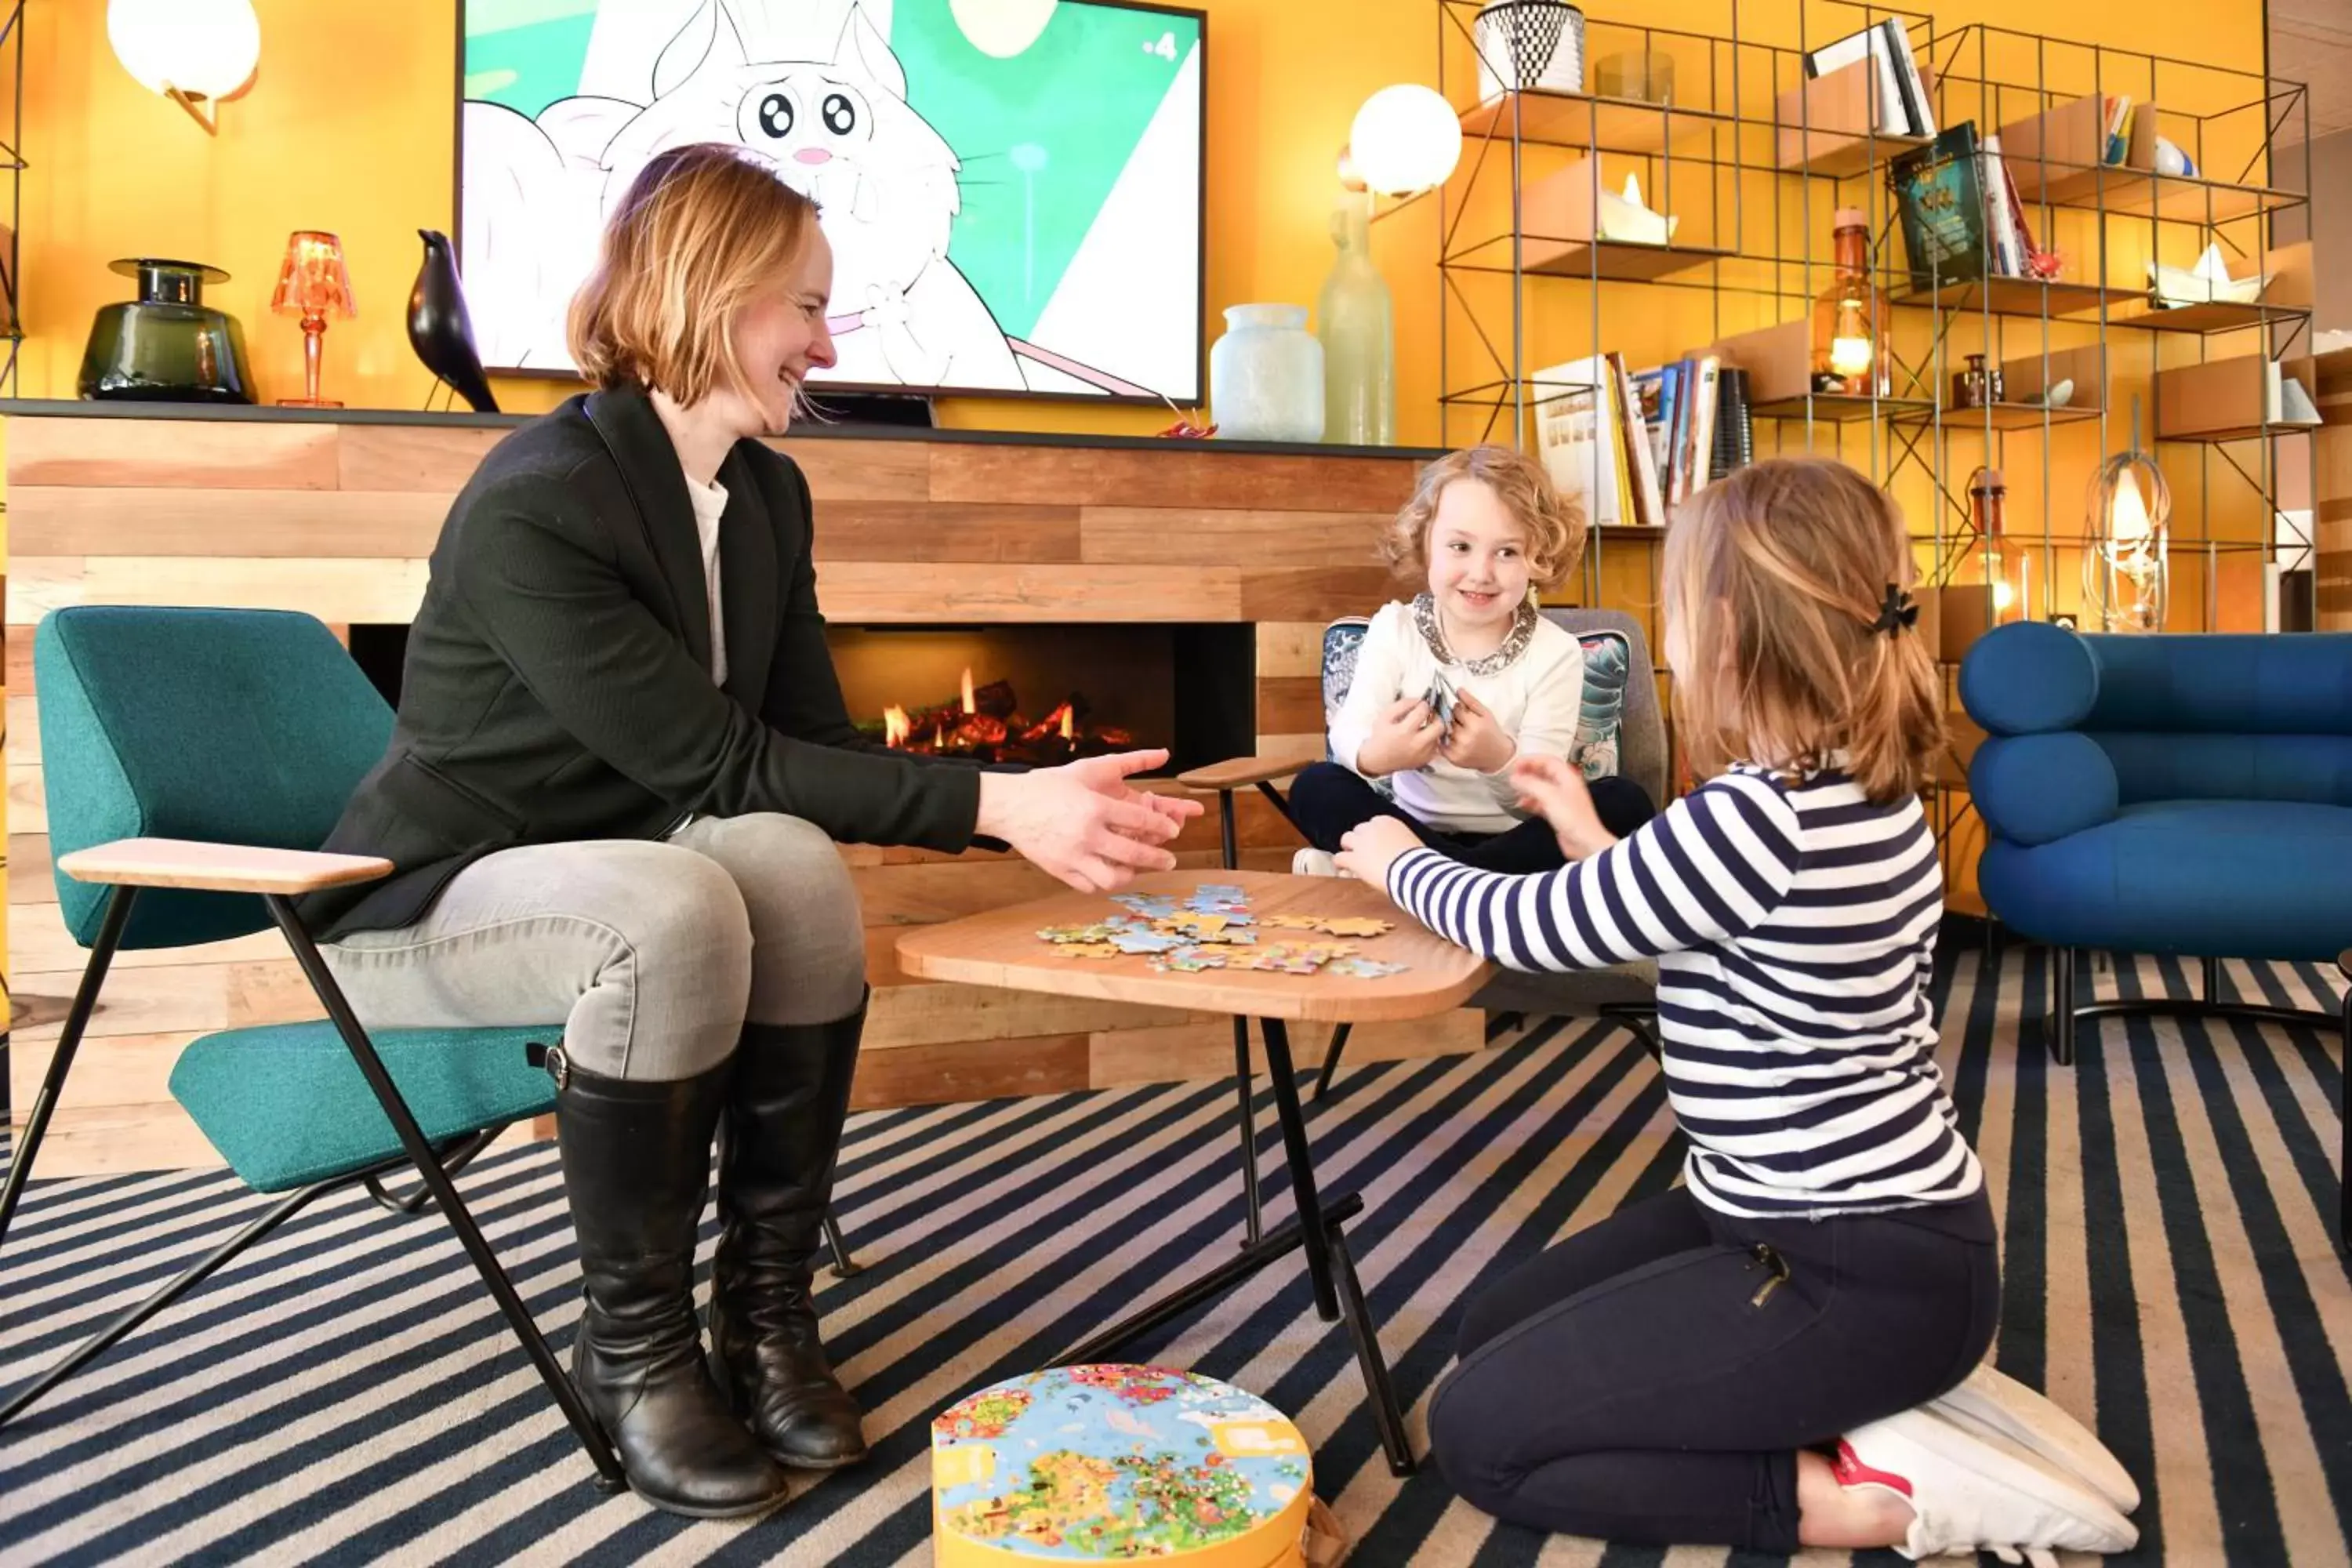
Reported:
(637, 1166)
(781, 1137)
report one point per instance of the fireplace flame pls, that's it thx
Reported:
(893, 726)
(1068, 731)
(968, 706)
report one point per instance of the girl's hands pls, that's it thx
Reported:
(1552, 788)
(1476, 741)
(1368, 848)
(1406, 737)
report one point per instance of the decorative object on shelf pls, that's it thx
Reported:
(1988, 506)
(1265, 375)
(2170, 159)
(312, 284)
(1355, 323)
(2208, 282)
(168, 345)
(1734, 425)
(1972, 388)
(2127, 570)
(1939, 198)
(1625, 219)
(1524, 44)
(1849, 319)
(1644, 75)
(2057, 395)
(1404, 140)
(440, 328)
(194, 52)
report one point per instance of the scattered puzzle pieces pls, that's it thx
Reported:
(1214, 928)
(1335, 925)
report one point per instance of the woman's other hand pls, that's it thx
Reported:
(1083, 823)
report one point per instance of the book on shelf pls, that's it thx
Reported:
(1579, 439)
(2120, 111)
(1962, 219)
(1904, 109)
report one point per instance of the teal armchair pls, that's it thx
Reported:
(193, 760)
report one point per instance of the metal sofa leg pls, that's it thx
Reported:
(2059, 1024)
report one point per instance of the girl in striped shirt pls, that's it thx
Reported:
(1779, 1354)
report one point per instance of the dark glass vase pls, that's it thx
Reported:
(166, 346)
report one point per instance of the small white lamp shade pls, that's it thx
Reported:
(1406, 139)
(206, 49)
(1001, 28)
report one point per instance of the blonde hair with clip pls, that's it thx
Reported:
(1778, 580)
(701, 229)
(1554, 527)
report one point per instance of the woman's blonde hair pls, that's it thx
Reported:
(1554, 526)
(1779, 581)
(701, 229)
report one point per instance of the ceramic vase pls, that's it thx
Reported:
(1265, 375)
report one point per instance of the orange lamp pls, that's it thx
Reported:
(313, 284)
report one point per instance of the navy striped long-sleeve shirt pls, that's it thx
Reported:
(1794, 925)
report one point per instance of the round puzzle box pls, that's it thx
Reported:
(1088, 1464)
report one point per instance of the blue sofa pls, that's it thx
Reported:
(2189, 796)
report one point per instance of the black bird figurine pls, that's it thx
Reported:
(440, 330)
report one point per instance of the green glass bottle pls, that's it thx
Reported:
(1358, 330)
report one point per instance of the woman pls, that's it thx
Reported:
(621, 764)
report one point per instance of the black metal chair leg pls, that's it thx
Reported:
(843, 1265)
(456, 1155)
(1252, 1225)
(1641, 1019)
(609, 1474)
(91, 1349)
(1331, 1059)
(53, 1082)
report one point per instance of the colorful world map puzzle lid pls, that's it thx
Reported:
(1094, 1462)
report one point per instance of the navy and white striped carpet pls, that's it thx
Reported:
(346, 1392)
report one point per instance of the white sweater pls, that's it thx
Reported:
(1536, 699)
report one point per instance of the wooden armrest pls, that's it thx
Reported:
(218, 867)
(1236, 773)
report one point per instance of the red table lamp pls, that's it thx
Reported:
(313, 284)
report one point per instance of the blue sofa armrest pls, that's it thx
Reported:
(2034, 789)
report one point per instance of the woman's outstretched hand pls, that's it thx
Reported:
(1083, 822)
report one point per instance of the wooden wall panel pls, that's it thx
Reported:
(895, 593)
(1214, 536)
(183, 521)
(938, 532)
(175, 454)
(1180, 477)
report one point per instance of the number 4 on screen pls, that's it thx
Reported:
(1165, 49)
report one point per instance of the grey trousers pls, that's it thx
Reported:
(653, 954)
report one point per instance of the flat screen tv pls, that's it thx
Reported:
(1013, 208)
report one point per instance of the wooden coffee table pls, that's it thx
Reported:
(1001, 948)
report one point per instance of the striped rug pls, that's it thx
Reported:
(347, 1394)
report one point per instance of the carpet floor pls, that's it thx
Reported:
(346, 1392)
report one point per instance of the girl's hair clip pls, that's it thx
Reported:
(1897, 613)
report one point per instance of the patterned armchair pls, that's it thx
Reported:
(1623, 732)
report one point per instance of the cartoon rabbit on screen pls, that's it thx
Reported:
(839, 128)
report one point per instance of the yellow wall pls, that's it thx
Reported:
(350, 124)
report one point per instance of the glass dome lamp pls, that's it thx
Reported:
(193, 52)
(1405, 140)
